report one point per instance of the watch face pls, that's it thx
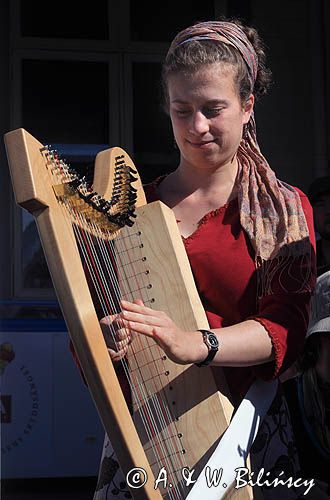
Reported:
(213, 341)
(212, 344)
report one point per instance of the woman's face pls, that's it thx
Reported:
(207, 115)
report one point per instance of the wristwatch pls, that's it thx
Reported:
(212, 344)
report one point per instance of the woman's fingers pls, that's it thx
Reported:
(139, 302)
(138, 313)
(142, 318)
(118, 338)
(117, 335)
(114, 325)
(138, 307)
(107, 321)
(150, 326)
(122, 334)
(118, 355)
(119, 329)
(122, 344)
(148, 330)
(118, 349)
(179, 345)
(113, 322)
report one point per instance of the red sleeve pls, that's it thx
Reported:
(285, 314)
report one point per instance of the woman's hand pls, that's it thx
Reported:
(117, 334)
(180, 346)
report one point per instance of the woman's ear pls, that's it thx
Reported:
(248, 108)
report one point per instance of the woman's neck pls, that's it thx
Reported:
(188, 179)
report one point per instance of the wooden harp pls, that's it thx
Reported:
(179, 415)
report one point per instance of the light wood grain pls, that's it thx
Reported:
(33, 191)
(197, 411)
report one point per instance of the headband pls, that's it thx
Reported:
(223, 32)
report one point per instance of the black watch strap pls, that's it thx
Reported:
(212, 343)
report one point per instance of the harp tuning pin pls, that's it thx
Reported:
(131, 203)
(101, 202)
(74, 183)
(104, 208)
(89, 196)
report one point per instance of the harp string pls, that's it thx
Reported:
(163, 404)
(169, 455)
(161, 407)
(166, 454)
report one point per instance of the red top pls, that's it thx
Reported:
(222, 261)
(223, 265)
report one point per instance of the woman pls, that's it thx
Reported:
(246, 233)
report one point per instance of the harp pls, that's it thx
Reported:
(132, 250)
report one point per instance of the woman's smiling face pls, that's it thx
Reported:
(207, 115)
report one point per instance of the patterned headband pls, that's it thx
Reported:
(225, 32)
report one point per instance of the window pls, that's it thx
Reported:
(161, 23)
(65, 104)
(85, 79)
(63, 19)
(153, 142)
(66, 101)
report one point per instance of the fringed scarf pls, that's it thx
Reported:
(270, 210)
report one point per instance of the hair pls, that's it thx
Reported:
(190, 57)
